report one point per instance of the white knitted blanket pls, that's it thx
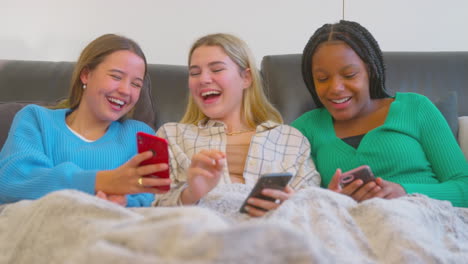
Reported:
(315, 226)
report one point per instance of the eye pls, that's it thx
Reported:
(217, 69)
(321, 79)
(116, 77)
(194, 73)
(137, 85)
(350, 75)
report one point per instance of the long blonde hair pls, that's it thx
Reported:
(91, 56)
(256, 108)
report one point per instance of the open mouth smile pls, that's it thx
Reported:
(340, 101)
(116, 102)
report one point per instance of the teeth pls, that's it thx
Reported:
(117, 101)
(210, 93)
(341, 100)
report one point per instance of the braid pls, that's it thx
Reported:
(357, 38)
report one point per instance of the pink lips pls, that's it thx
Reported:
(340, 106)
(116, 106)
(210, 99)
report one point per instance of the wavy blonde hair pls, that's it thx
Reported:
(256, 108)
(93, 55)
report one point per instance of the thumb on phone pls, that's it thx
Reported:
(334, 184)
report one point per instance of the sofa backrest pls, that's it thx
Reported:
(433, 74)
(45, 83)
(169, 89)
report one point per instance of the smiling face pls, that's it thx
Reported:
(341, 81)
(217, 84)
(113, 87)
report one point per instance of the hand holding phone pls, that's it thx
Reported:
(362, 172)
(277, 181)
(159, 147)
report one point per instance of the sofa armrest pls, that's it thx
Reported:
(463, 134)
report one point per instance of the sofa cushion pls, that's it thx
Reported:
(169, 88)
(144, 109)
(429, 73)
(7, 113)
(285, 87)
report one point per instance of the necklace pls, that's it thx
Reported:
(239, 132)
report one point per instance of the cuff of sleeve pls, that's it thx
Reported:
(85, 181)
(140, 200)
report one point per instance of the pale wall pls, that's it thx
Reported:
(57, 30)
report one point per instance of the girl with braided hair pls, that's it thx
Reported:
(403, 138)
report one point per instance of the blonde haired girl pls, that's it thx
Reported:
(230, 133)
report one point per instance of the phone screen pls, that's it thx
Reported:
(276, 181)
(160, 150)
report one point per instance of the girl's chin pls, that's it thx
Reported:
(342, 116)
(213, 115)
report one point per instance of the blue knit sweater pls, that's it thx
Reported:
(42, 155)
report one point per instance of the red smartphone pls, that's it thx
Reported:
(362, 172)
(276, 181)
(160, 150)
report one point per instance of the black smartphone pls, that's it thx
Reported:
(159, 147)
(362, 172)
(277, 181)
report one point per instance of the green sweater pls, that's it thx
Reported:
(414, 147)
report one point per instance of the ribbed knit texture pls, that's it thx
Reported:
(414, 147)
(42, 155)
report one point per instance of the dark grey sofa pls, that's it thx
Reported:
(442, 76)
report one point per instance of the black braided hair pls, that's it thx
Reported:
(361, 41)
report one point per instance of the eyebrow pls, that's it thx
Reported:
(342, 69)
(214, 63)
(121, 72)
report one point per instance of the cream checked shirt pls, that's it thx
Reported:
(273, 148)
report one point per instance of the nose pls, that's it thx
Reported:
(205, 77)
(124, 88)
(336, 85)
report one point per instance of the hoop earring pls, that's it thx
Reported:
(84, 86)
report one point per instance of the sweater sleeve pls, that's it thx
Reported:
(306, 175)
(445, 156)
(140, 200)
(26, 172)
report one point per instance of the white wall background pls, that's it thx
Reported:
(57, 30)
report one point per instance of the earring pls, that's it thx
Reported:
(84, 86)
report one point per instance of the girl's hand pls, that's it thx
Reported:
(203, 174)
(359, 192)
(126, 179)
(389, 190)
(114, 198)
(279, 195)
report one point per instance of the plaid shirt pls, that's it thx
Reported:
(273, 148)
